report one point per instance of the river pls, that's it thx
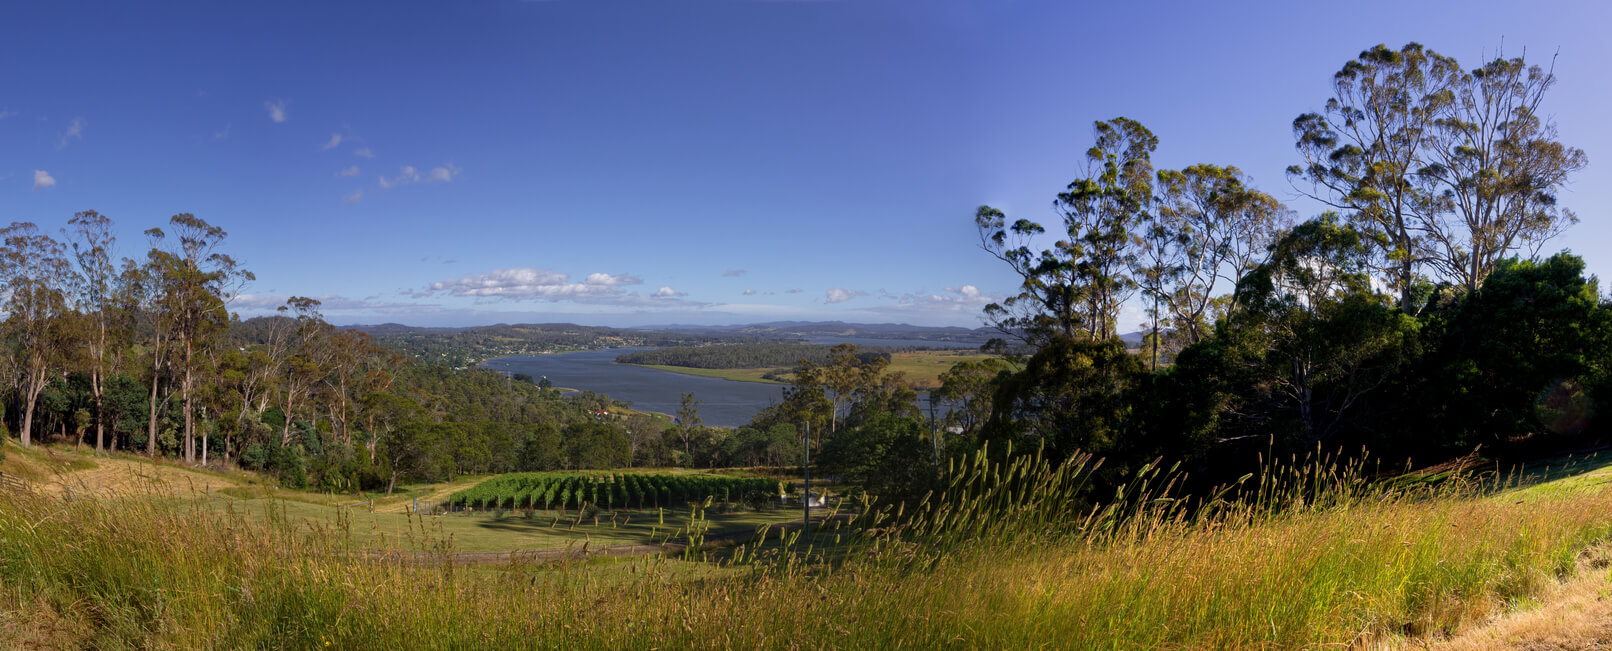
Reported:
(724, 403)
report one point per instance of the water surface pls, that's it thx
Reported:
(724, 403)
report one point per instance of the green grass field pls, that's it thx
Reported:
(735, 374)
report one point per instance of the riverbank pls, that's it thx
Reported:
(756, 375)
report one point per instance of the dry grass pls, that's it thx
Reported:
(1013, 557)
(1572, 614)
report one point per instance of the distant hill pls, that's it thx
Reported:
(817, 329)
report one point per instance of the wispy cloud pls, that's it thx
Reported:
(334, 142)
(222, 133)
(608, 280)
(841, 295)
(750, 292)
(276, 109)
(350, 171)
(526, 283)
(75, 131)
(733, 273)
(363, 152)
(411, 174)
(328, 303)
(43, 179)
(793, 291)
(964, 300)
(355, 197)
(4, 113)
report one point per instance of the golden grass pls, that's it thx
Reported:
(1012, 557)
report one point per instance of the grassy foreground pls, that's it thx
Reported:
(1012, 557)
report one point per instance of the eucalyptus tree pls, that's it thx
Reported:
(35, 276)
(1363, 151)
(1077, 285)
(92, 242)
(306, 363)
(1220, 229)
(196, 283)
(688, 423)
(1495, 170)
(140, 295)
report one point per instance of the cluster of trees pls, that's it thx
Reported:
(1416, 318)
(143, 355)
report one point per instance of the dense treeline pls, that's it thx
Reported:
(748, 355)
(142, 355)
(1415, 320)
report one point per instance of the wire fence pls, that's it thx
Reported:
(12, 482)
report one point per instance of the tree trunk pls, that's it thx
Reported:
(190, 432)
(151, 421)
(100, 413)
(28, 413)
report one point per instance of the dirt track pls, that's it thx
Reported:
(122, 476)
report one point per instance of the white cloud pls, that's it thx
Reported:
(222, 133)
(528, 283)
(793, 291)
(351, 171)
(328, 303)
(840, 295)
(75, 131)
(6, 114)
(411, 174)
(405, 176)
(966, 291)
(442, 174)
(953, 302)
(667, 292)
(608, 280)
(355, 197)
(363, 152)
(276, 109)
(335, 141)
(733, 273)
(43, 179)
(750, 292)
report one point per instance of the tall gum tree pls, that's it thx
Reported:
(34, 277)
(197, 283)
(1495, 171)
(1076, 286)
(1363, 151)
(1221, 229)
(92, 242)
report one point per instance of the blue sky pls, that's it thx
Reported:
(708, 161)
